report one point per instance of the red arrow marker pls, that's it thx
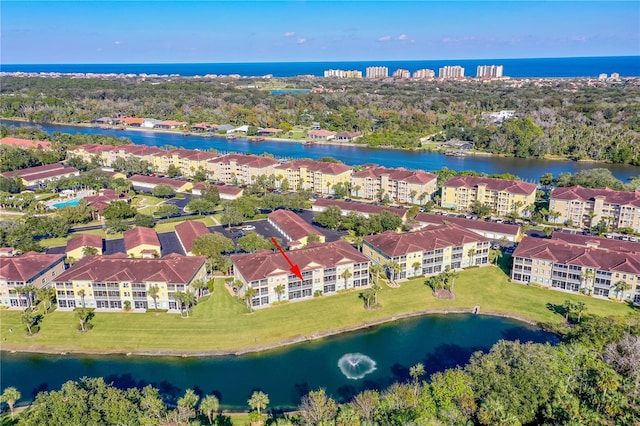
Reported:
(294, 268)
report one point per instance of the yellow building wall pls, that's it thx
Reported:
(137, 251)
(78, 253)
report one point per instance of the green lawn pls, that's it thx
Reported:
(170, 226)
(147, 204)
(62, 241)
(221, 324)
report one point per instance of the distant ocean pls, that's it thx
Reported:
(625, 66)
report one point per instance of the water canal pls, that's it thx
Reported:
(344, 365)
(527, 169)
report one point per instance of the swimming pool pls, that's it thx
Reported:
(67, 203)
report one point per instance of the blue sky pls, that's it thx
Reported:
(270, 31)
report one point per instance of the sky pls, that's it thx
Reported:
(76, 32)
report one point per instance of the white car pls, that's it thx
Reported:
(248, 228)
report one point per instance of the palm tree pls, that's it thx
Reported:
(375, 270)
(208, 406)
(346, 274)
(450, 278)
(187, 404)
(471, 253)
(84, 316)
(28, 319)
(620, 287)
(249, 293)
(587, 277)
(416, 372)
(199, 285)
(394, 267)
(279, 289)
(258, 401)
(415, 266)
(154, 293)
(10, 396)
(82, 293)
(413, 194)
(375, 288)
(580, 307)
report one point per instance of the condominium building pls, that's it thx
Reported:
(401, 73)
(503, 196)
(588, 206)
(187, 232)
(317, 176)
(426, 252)
(377, 72)
(489, 71)
(293, 228)
(424, 73)
(579, 266)
(108, 282)
(31, 268)
(142, 242)
(342, 74)
(362, 209)
(187, 161)
(455, 71)
(25, 143)
(237, 169)
(400, 185)
(502, 232)
(34, 176)
(149, 183)
(80, 245)
(326, 269)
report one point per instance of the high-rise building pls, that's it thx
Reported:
(451, 72)
(343, 74)
(401, 73)
(424, 73)
(377, 72)
(489, 71)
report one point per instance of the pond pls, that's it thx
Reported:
(344, 365)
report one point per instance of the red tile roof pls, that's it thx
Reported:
(502, 185)
(93, 148)
(316, 166)
(174, 269)
(321, 133)
(398, 174)
(34, 170)
(591, 240)
(247, 160)
(154, 180)
(188, 231)
(25, 143)
(84, 240)
(562, 252)
(393, 244)
(585, 194)
(350, 206)
(480, 225)
(27, 266)
(265, 263)
(292, 224)
(133, 120)
(140, 235)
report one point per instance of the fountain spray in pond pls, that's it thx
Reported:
(355, 366)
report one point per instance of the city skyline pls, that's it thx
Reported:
(308, 31)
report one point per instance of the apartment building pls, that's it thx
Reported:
(400, 185)
(78, 245)
(588, 206)
(377, 72)
(429, 251)
(107, 282)
(494, 231)
(149, 183)
(293, 228)
(363, 209)
(455, 71)
(25, 143)
(316, 176)
(187, 232)
(401, 74)
(188, 161)
(239, 169)
(588, 266)
(31, 268)
(424, 73)
(326, 269)
(342, 74)
(34, 176)
(142, 242)
(489, 71)
(502, 195)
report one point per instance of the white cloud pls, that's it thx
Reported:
(301, 40)
(289, 34)
(403, 37)
(384, 38)
(117, 42)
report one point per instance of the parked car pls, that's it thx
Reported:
(248, 228)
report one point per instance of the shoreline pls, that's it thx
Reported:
(276, 345)
(470, 153)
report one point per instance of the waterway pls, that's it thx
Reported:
(344, 365)
(527, 169)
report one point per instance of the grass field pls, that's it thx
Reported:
(220, 322)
